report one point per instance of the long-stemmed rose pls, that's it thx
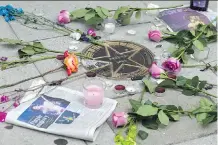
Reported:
(172, 65)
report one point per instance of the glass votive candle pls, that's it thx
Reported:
(93, 90)
(109, 26)
(200, 55)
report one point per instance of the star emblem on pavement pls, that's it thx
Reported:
(120, 62)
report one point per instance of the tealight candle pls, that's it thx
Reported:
(109, 28)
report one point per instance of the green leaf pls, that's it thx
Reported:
(209, 119)
(171, 107)
(138, 14)
(184, 59)
(174, 116)
(119, 11)
(28, 50)
(38, 47)
(202, 84)
(178, 52)
(150, 124)
(94, 20)
(79, 13)
(148, 102)
(205, 102)
(189, 51)
(200, 117)
(193, 32)
(195, 81)
(198, 45)
(124, 19)
(188, 92)
(100, 13)
(142, 134)
(181, 81)
(180, 110)
(147, 110)
(163, 118)
(167, 84)
(105, 12)
(89, 15)
(204, 109)
(135, 104)
(149, 85)
(209, 33)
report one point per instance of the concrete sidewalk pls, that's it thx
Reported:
(184, 132)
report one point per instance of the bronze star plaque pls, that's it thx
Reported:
(122, 59)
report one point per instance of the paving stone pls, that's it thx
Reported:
(23, 136)
(106, 136)
(208, 140)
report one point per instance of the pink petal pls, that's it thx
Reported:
(121, 121)
(2, 116)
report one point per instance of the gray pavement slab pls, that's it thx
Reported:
(184, 132)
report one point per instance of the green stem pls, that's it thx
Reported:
(192, 65)
(202, 91)
(157, 8)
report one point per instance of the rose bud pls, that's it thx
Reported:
(64, 17)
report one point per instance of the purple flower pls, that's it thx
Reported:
(3, 58)
(4, 99)
(172, 65)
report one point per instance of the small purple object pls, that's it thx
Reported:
(3, 58)
(91, 32)
(4, 99)
(16, 103)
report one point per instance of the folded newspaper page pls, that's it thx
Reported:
(61, 111)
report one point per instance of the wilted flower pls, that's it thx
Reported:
(119, 119)
(155, 70)
(172, 65)
(154, 35)
(71, 62)
(91, 32)
(4, 99)
(64, 17)
(3, 58)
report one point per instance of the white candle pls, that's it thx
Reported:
(109, 27)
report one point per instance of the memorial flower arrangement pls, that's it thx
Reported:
(150, 114)
(187, 40)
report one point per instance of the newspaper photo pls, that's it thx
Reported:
(61, 111)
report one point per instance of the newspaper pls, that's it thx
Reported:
(61, 111)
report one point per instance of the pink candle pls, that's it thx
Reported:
(93, 96)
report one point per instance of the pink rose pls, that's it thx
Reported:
(2, 116)
(155, 70)
(172, 65)
(154, 35)
(64, 17)
(119, 119)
